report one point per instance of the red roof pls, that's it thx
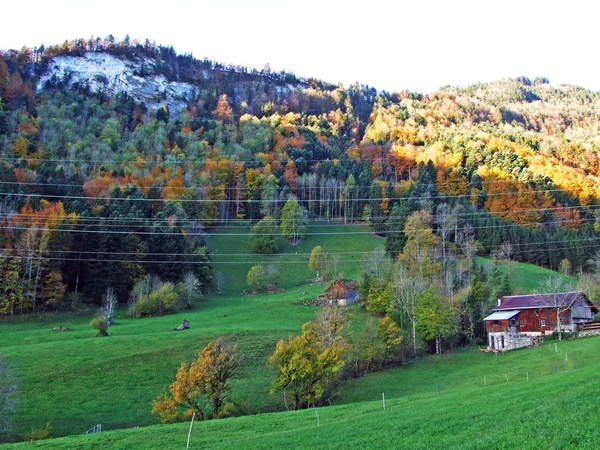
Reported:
(560, 299)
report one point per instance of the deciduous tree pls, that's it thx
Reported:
(202, 387)
(293, 221)
(435, 318)
(265, 236)
(305, 365)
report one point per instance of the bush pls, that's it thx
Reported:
(162, 300)
(265, 237)
(39, 434)
(257, 277)
(101, 324)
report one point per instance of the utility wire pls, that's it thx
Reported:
(141, 261)
(239, 201)
(336, 233)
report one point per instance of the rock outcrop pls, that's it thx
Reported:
(108, 74)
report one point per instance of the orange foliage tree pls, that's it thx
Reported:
(201, 387)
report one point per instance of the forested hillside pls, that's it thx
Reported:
(100, 188)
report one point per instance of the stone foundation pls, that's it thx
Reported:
(512, 341)
(588, 333)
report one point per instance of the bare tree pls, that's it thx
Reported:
(145, 287)
(109, 303)
(446, 223)
(552, 289)
(376, 262)
(220, 282)
(467, 242)
(335, 265)
(505, 252)
(190, 286)
(406, 289)
(8, 398)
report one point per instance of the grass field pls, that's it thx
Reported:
(291, 261)
(75, 380)
(526, 278)
(555, 411)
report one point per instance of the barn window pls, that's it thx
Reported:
(543, 322)
(496, 322)
(521, 323)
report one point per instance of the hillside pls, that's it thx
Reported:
(132, 142)
(135, 178)
(117, 378)
(233, 254)
(526, 413)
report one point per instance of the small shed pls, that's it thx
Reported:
(344, 292)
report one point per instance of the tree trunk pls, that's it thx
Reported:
(414, 335)
(438, 349)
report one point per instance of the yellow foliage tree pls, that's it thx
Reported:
(306, 364)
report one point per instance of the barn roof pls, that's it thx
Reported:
(346, 284)
(534, 301)
(502, 315)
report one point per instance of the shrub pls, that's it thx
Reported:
(265, 237)
(257, 277)
(101, 324)
(162, 300)
(39, 434)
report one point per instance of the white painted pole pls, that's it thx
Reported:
(190, 432)
(317, 414)
(566, 357)
(527, 376)
(555, 347)
(383, 397)
(506, 376)
(484, 381)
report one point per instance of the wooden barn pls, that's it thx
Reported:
(519, 319)
(343, 292)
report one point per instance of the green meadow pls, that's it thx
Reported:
(76, 381)
(233, 254)
(520, 407)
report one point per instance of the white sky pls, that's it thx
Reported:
(418, 45)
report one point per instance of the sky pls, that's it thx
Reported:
(390, 45)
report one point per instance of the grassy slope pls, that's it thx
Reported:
(526, 278)
(557, 410)
(292, 262)
(76, 380)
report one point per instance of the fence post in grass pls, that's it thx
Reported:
(383, 397)
(439, 390)
(484, 381)
(542, 370)
(190, 432)
(317, 414)
(555, 347)
(527, 375)
(506, 376)
(566, 357)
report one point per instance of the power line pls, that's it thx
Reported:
(334, 222)
(139, 261)
(117, 183)
(262, 201)
(218, 255)
(342, 233)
